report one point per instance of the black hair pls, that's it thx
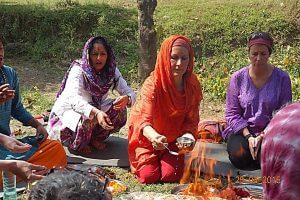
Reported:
(110, 58)
(69, 185)
(102, 40)
(2, 40)
(263, 35)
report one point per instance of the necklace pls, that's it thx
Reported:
(3, 75)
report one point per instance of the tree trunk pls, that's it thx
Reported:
(147, 37)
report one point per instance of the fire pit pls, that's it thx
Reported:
(236, 191)
(210, 187)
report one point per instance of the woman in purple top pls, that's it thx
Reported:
(254, 92)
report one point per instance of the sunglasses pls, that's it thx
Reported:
(262, 35)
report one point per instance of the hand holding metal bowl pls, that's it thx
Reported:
(185, 143)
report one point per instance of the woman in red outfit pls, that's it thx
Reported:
(167, 108)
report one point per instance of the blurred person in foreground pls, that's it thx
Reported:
(69, 185)
(280, 155)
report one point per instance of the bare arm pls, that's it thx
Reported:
(40, 129)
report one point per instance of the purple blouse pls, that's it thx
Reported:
(248, 106)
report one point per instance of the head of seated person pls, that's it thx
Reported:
(63, 185)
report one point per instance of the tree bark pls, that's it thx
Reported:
(147, 37)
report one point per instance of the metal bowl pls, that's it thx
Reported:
(185, 142)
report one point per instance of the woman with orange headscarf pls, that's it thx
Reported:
(167, 108)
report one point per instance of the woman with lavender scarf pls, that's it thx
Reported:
(83, 115)
(254, 92)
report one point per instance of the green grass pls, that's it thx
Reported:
(52, 33)
(34, 101)
(218, 30)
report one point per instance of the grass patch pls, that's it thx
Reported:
(218, 30)
(34, 101)
(52, 33)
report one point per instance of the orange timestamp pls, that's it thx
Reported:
(259, 179)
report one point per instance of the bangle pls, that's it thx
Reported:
(97, 113)
(248, 136)
(129, 99)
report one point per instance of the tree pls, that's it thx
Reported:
(147, 37)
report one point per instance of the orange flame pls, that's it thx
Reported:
(192, 171)
(209, 186)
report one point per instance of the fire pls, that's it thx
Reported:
(209, 186)
(192, 171)
(195, 163)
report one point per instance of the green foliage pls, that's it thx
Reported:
(56, 31)
(223, 28)
(59, 33)
(288, 59)
(34, 101)
(219, 32)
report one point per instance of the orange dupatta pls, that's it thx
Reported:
(162, 106)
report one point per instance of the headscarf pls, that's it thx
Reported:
(280, 155)
(260, 41)
(96, 84)
(164, 83)
(261, 38)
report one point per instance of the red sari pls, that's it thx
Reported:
(160, 105)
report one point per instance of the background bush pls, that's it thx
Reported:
(55, 32)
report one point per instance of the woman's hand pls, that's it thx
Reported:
(28, 171)
(159, 142)
(121, 102)
(103, 120)
(14, 145)
(41, 133)
(5, 93)
(259, 139)
(254, 143)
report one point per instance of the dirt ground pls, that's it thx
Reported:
(48, 79)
